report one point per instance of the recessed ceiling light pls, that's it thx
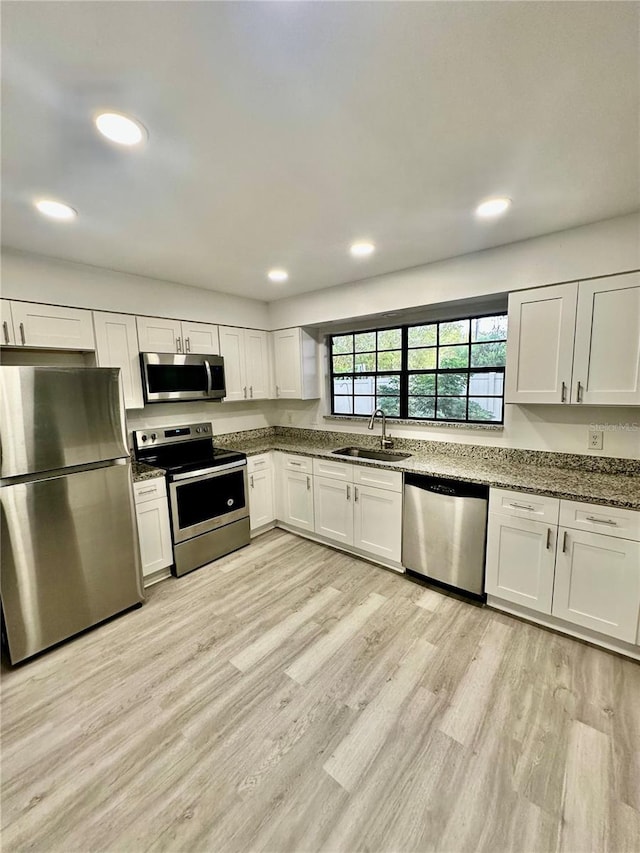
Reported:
(278, 275)
(119, 128)
(361, 250)
(55, 209)
(493, 207)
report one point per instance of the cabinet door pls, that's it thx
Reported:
(261, 498)
(378, 522)
(201, 338)
(607, 349)
(286, 345)
(155, 535)
(257, 363)
(156, 334)
(117, 346)
(520, 561)
(297, 499)
(52, 327)
(232, 349)
(8, 337)
(540, 344)
(598, 583)
(333, 509)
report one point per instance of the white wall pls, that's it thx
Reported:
(38, 279)
(602, 248)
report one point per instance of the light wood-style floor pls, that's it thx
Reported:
(293, 698)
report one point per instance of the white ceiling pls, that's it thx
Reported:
(281, 132)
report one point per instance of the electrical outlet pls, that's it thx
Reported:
(595, 439)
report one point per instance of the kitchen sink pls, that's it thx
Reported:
(366, 453)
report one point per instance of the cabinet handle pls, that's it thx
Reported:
(602, 520)
(22, 337)
(244, 391)
(308, 484)
(187, 344)
(564, 542)
(5, 327)
(277, 391)
(355, 494)
(523, 506)
(178, 344)
(548, 538)
(251, 480)
(251, 390)
(147, 491)
(348, 493)
(297, 464)
(579, 393)
(563, 396)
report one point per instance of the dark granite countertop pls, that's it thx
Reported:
(613, 489)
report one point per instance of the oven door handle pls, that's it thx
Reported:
(207, 367)
(206, 472)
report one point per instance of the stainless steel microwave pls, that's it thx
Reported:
(175, 377)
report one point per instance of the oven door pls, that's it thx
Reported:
(207, 501)
(171, 377)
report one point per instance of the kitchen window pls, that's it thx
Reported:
(449, 370)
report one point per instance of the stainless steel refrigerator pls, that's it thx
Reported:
(69, 542)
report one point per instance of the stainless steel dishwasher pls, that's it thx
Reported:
(444, 532)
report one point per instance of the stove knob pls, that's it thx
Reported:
(205, 429)
(143, 437)
(153, 436)
(198, 429)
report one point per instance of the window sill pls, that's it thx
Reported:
(417, 423)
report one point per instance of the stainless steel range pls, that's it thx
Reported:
(207, 492)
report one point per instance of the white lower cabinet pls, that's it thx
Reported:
(520, 561)
(154, 531)
(333, 510)
(295, 495)
(378, 522)
(261, 491)
(569, 571)
(597, 583)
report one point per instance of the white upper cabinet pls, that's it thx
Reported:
(8, 337)
(235, 371)
(247, 363)
(258, 364)
(296, 365)
(540, 344)
(200, 338)
(52, 327)
(576, 343)
(117, 346)
(157, 334)
(606, 365)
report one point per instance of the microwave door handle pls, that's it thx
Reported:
(207, 367)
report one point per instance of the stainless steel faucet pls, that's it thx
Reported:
(385, 440)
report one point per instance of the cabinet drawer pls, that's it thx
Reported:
(523, 505)
(379, 478)
(297, 463)
(334, 470)
(610, 520)
(149, 490)
(262, 462)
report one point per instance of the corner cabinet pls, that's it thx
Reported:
(29, 324)
(262, 511)
(575, 343)
(296, 365)
(117, 346)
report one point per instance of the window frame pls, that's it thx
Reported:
(405, 373)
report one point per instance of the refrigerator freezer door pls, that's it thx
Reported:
(70, 555)
(52, 418)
